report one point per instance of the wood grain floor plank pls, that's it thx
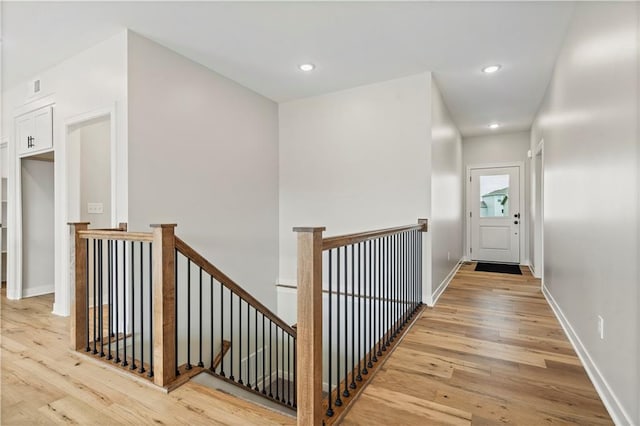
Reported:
(491, 349)
(44, 382)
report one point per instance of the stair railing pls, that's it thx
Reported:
(360, 290)
(152, 305)
(216, 315)
(119, 298)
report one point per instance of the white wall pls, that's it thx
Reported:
(95, 171)
(588, 121)
(38, 229)
(494, 149)
(354, 160)
(91, 80)
(445, 228)
(203, 153)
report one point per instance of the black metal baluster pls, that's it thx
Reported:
(248, 345)
(86, 290)
(255, 349)
(175, 296)
(338, 401)
(222, 330)
(369, 330)
(295, 373)
(231, 377)
(124, 303)
(394, 288)
(100, 295)
(277, 368)
(150, 274)
(330, 331)
(142, 369)
(264, 359)
(387, 283)
(346, 393)
(352, 385)
(359, 376)
(288, 368)
(117, 284)
(133, 317)
(270, 358)
(211, 325)
(419, 299)
(200, 363)
(95, 294)
(240, 340)
(378, 301)
(189, 366)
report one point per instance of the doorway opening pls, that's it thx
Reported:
(38, 224)
(90, 175)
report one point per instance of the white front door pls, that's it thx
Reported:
(495, 214)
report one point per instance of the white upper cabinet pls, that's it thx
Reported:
(34, 131)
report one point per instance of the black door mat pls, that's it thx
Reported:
(501, 268)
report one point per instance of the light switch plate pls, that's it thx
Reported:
(95, 208)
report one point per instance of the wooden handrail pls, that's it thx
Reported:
(348, 239)
(221, 277)
(311, 245)
(116, 235)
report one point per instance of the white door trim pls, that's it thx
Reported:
(523, 213)
(62, 304)
(538, 223)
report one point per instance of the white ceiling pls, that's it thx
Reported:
(260, 45)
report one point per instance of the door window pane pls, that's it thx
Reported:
(494, 196)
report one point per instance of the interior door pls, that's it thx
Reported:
(495, 214)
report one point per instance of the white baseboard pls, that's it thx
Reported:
(611, 402)
(443, 285)
(38, 291)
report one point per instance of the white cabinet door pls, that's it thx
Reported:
(34, 131)
(24, 132)
(43, 134)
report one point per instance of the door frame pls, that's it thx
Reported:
(62, 304)
(538, 222)
(523, 213)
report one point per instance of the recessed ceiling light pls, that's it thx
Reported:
(493, 125)
(491, 69)
(306, 67)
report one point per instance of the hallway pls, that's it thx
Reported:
(490, 352)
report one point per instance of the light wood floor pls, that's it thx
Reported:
(43, 382)
(490, 352)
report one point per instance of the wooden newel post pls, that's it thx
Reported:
(309, 329)
(425, 224)
(79, 286)
(164, 299)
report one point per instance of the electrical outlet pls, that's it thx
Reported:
(600, 327)
(95, 208)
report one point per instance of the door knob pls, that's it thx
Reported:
(517, 215)
(515, 222)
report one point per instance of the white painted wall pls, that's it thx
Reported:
(38, 230)
(93, 79)
(588, 120)
(203, 153)
(494, 149)
(94, 141)
(445, 228)
(354, 160)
